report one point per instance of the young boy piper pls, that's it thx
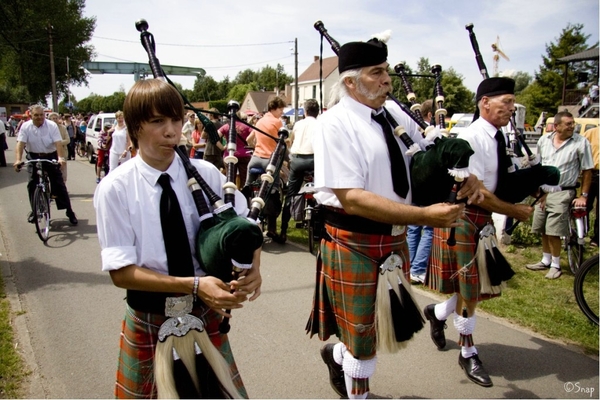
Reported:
(139, 255)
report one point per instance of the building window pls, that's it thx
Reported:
(314, 93)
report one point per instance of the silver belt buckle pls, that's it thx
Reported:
(179, 306)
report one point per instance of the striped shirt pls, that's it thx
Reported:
(572, 157)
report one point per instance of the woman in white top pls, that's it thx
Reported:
(120, 149)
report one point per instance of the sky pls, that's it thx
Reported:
(225, 37)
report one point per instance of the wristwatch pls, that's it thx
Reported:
(584, 195)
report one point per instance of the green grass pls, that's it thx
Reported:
(545, 306)
(12, 371)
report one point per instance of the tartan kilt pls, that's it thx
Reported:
(346, 287)
(454, 269)
(135, 372)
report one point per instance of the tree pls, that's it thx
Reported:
(206, 89)
(545, 92)
(271, 78)
(245, 76)
(522, 80)
(238, 92)
(25, 31)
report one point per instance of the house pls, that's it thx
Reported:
(308, 81)
(258, 100)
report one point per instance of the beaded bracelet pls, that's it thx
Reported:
(195, 289)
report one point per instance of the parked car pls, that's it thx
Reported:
(581, 125)
(461, 124)
(94, 128)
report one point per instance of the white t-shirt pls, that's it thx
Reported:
(40, 139)
(302, 136)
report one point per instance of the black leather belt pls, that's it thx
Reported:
(304, 155)
(47, 156)
(338, 218)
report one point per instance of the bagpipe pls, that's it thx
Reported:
(529, 174)
(435, 174)
(225, 246)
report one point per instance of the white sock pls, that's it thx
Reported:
(338, 352)
(468, 351)
(555, 262)
(546, 258)
(445, 309)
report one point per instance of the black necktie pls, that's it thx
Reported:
(399, 177)
(504, 161)
(179, 255)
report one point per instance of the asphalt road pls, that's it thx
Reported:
(68, 317)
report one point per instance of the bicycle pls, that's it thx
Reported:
(40, 202)
(586, 288)
(574, 242)
(82, 149)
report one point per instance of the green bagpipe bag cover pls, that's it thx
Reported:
(526, 181)
(231, 237)
(430, 180)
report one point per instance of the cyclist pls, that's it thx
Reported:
(302, 159)
(104, 142)
(571, 154)
(42, 140)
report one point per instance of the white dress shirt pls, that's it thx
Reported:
(127, 203)
(484, 163)
(351, 151)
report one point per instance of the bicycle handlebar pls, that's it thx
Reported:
(53, 162)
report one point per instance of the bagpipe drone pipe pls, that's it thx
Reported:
(225, 244)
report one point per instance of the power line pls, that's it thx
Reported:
(197, 45)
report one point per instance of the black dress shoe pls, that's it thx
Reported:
(436, 327)
(474, 370)
(72, 218)
(336, 375)
(30, 218)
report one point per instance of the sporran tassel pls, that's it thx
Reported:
(397, 317)
(505, 271)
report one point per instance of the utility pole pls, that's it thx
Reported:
(52, 74)
(296, 85)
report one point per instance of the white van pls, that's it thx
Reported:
(461, 125)
(94, 128)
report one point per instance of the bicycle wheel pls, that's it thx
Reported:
(586, 288)
(574, 249)
(41, 214)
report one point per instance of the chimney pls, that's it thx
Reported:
(316, 58)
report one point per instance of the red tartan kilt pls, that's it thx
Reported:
(445, 262)
(135, 373)
(346, 287)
